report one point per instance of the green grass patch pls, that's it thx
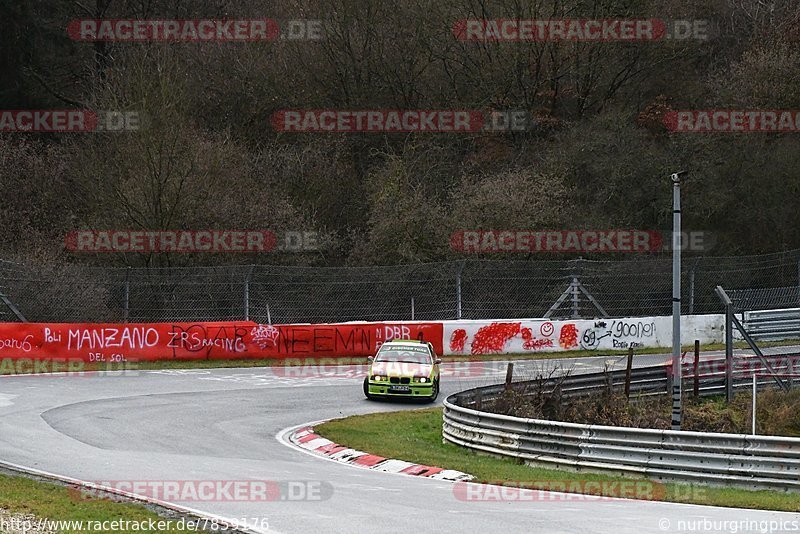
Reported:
(22, 495)
(416, 436)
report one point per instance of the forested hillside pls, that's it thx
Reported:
(597, 154)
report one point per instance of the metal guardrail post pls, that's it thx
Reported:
(509, 375)
(628, 372)
(726, 301)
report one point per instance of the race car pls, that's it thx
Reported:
(403, 369)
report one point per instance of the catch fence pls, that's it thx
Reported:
(461, 289)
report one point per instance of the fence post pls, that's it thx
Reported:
(628, 371)
(247, 293)
(412, 308)
(728, 304)
(127, 304)
(458, 289)
(576, 303)
(728, 352)
(696, 388)
(691, 288)
(247, 300)
(509, 375)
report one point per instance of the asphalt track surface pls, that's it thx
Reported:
(222, 424)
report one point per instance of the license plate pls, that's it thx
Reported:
(399, 389)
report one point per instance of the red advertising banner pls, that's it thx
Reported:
(191, 341)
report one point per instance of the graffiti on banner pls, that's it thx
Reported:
(502, 337)
(204, 340)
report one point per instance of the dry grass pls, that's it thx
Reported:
(777, 413)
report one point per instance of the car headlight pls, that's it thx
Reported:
(423, 379)
(377, 378)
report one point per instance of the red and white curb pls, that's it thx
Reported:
(305, 438)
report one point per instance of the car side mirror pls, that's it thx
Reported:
(437, 361)
(370, 359)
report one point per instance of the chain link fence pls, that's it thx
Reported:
(466, 289)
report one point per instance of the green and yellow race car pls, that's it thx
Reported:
(403, 369)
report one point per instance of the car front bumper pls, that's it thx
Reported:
(385, 389)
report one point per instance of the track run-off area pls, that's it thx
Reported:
(230, 424)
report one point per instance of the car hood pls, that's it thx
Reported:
(401, 369)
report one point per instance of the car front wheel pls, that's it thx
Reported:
(435, 392)
(366, 390)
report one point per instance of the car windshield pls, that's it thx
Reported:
(419, 355)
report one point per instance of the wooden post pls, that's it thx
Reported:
(628, 371)
(509, 375)
(696, 389)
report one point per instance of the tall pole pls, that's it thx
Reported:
(677, 375)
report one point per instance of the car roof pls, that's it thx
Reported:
(408, 342)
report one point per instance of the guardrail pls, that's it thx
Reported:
(762, 462)
(773, 325)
